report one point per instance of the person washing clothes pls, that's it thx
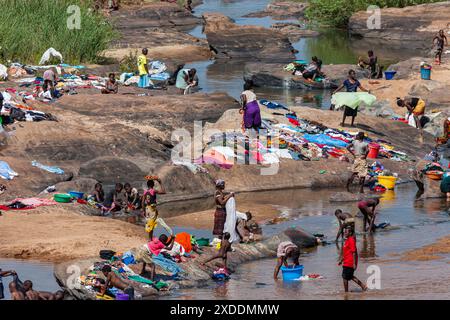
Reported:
(220, 216)
(372, 65)
(186, 80)
(415, 111)
(143, 69)
(286, 250)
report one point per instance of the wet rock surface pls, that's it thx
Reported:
(282, 10)
(230, 41)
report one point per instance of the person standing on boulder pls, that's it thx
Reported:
(143, 69)
(220, 216)
(351, 84)
(250, 109)
(359, 149)
(440, 40)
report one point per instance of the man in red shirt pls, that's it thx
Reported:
(349, 259)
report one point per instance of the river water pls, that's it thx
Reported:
(332, 46)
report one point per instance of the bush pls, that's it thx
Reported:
(29, 27)
(336, 13)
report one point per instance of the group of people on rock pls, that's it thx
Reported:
(24, 290)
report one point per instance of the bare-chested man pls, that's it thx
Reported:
(30, 294)
(112, 280)
(344, 219)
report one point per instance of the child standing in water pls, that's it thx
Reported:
(349, 259)
(149, 205)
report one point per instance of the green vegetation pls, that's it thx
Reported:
(336, 13)
(29, 27)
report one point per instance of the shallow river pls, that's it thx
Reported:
(332, 46)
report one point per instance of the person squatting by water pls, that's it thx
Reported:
(359, 150)
(349, 260)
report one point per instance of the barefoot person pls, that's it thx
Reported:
(111, 85)
(143, 69)
(367, 208)
(359, 149)
(351, 85)
(349, 260)
(286, 250)
(225, 247)
(345, 219)
(250, 109)
(415, 111)
(220, 216)
(149, 205)
(440, 41)
(113, 280)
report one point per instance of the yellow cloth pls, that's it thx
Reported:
(142, 62)
(420, 108)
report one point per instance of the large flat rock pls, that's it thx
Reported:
(415, 24)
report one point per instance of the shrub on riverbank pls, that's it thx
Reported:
(29, 27)
(336, 13)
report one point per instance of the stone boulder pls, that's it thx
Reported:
(294, 31)
(228, 40)
(414, 24)
(435, 94)
(381, 108)
(408, 68)
(281, 10)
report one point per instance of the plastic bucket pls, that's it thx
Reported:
(389, 75)
(292, 273)
(62, 198)
(122, 296)
(425, 73)
(373, 150)
(203, 242)
(387, 182)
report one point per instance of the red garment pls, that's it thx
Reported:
(155, 246)
(362, 204)
(184, 239)
(348, 251)
(294, 122)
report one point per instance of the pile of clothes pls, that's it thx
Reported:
(27, 204)
(301, 139)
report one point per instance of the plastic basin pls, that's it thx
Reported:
(389, 75)
(425, 73)
(62, 197)
(387, 182)
(203, 242)
(292, 273)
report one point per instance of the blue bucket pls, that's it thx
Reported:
(425, 74)
(75, 194)
(389, 75)
(292, 273)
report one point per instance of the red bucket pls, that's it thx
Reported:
(373, 150)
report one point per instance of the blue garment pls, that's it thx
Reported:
(47, 168)
(324, 139)
(272, 105)
(6, 172)
(352, 87)
(143, 81)
(167, 264)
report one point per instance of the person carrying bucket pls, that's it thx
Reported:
(286, 250)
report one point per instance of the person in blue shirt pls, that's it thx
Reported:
(351, 84)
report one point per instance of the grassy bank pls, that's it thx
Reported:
(29, 27)
(336, 13)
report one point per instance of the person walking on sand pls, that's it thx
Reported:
(351, 84)
(220, 216)
(359, 149)
(349, 260)
(440, 41)
(143, 69)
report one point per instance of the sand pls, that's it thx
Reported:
(57, 234)
(433, 251)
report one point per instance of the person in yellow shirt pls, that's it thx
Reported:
(143, 69)
(416, 111)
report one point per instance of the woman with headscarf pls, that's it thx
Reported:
(220, 215)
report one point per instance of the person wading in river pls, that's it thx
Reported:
(359, 149)
(286, 250)
(349, 259)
